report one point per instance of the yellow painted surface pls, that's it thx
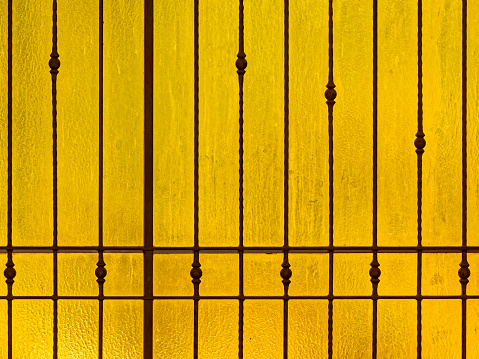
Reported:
(263, 123)
(78, 329)
(397, 123)
(123, 123)
(353, 123)
(218, 329)
(173, 122)
(78, 126)
(172, 329)
(442, 193)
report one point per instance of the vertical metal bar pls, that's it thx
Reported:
(196, 271)
(9, 272)
(286, 271)
(54, 65)
(375, 272)
(100, 271)
(148, 180)
(464, 271)
(241, 64)
(420, 143)
(330, 95)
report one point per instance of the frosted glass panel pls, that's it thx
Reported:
(76, 274)
(172, 274)
(353, 122)
(219, 123)
(78, 329)
(172, 329)
(263, 123)
(3, 123)
(442, 204)
(123, 122)
(351, 274)
(3, 333)
(261, 274)
(34, 274)
(397, 329)
(398, 273)
(397, 122)
(125, 274)
(352, 329)
(263, 329)
(32, 124)
(33, 328)
(123, 329)
(173, 122)
(439, 274)
(441, 329)
(308, 329)
(308, 165)
(218, 329)
(472, 123)
(311, 274)
(78, 123)
(220, 274)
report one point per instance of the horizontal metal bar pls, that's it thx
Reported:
(265, 249)
(245, 297)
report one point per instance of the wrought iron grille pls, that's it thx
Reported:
(148, 249)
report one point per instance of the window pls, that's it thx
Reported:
(148, 161)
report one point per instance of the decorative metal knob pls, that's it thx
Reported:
(101, 272)
(420, 142)
(196, 272)
(10, 272)
(464, 272)
(375, 272)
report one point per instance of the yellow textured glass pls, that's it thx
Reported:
(351, 273)
(218, 329)
(264, 124)
(442, 194)
(123, 329)
(352, 329)
(34, 274)
(123, 122)
(78, 329)
(472, 123)
(3, 333)
(311, 273)
(78, 124)
(353, 129)
(173, 122)
(397, 329)
(32, 329)
(263, 329)
(76, 274)
(218, 124)
(3, 120)
(397, 123)
(32, 124)
(308, 164)
(220, 274)
(472, 328)
(441, 329)
(439, 274)
(125, 274)
(398, 273)
(308, 333)
(175, 276)
(172, 329)
(473, 285)
(261, 274)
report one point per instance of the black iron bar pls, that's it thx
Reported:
(9, 272)
(241, 64)
(464, 271)
(286, 271)
(148, 179)
(54, 64)
(420, 143)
